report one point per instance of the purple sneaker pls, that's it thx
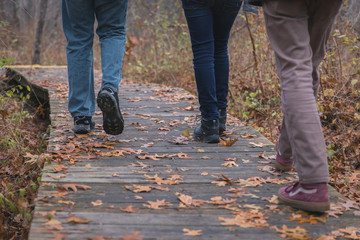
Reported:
(308, 197)
(283, 163)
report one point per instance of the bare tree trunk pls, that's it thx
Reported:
(39, 32)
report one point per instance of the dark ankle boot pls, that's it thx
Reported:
(222, 121)
(208, 131)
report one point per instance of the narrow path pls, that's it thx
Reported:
(152, 182)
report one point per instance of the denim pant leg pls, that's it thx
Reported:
(200, 23)
(111, 16)
(225, 13)
(78, 24)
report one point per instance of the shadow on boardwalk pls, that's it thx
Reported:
(151, 182)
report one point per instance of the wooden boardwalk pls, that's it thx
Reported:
(151, 182)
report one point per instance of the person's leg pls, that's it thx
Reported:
(200, 23)
(287, 26)
(78, 24)
(294, 56)
(111, 16)
(322, 16)
(225, 13)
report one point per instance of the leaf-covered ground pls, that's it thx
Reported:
(22, 146)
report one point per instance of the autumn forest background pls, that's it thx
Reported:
(159, 51)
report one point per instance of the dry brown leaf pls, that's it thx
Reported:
(97, 203)
(188, 201)
(53, 224)
(60, 194)
(188, 232)
(204, 174)
(293, 233)
(66, 202)
(133, 236)
(189, 108)
(60, 168)
(138, 188)
(129, 209)
(246, 219)
(78, 220)
(230, 164)
(74, 187)
(161, 188)
(137, 197)
(159, 204)
(227, 142)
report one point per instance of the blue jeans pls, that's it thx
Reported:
(209, 23)
(78, 24)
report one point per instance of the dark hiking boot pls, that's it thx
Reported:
(307, 197)
(208, 131)
(83, 124)
(108, 102)
(222, 121)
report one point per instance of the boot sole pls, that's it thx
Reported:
(209, 139)
(281, 167)
(306, 206)
(113, 122)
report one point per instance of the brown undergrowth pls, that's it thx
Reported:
(22, 146)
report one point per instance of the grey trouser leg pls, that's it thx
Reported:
(298, 31)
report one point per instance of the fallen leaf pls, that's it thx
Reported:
(159, 204)
(230, 164)
(75, 186)
(97, 203)
(133, 236)
(292, 233)
(189, 108)
(138, 188)
(186, 133)
(60, 168)
(77, 220)
(188, 201)
(129, 209)
(66, 202)
(53, 224)
(204, 174)
(227, 142)
(188, 232)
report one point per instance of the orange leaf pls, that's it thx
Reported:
(129, 209)
(188, 232)
(74, 186)
(97, 203)
(133, 236)
(77, 220)
(228, 142)
(159, 204)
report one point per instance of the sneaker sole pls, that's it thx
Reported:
(113, 122)
(306, 206)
